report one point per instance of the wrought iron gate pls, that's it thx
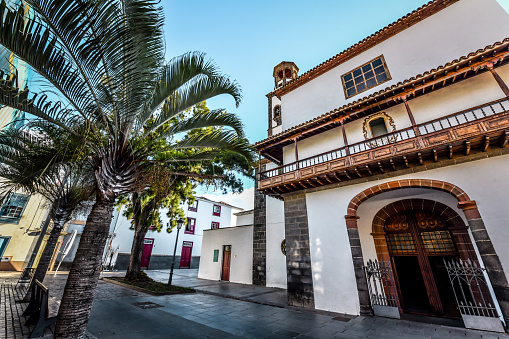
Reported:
(381, 288)
(473, 296)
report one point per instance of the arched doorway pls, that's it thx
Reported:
(418, 241)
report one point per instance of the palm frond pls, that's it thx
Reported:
(225, 140)
(33, 42)
(209, 119)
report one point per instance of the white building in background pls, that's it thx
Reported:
(396, 150)
(158, 249)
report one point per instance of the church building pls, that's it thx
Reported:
(382, 187)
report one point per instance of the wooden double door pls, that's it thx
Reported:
(418, 242)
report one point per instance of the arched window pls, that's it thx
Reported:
(277, 115)
(280, 74)
(288, 73)
(378, 127)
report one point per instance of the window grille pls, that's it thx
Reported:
(365, 77)
(437, 242)
(401, 243)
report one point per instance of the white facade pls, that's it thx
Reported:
(164, 242)
(455, 31)
(322, 220)
(240, 239)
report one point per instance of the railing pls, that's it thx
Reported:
(470, 288)
(429, 127)
(382, 140)
(381, 286)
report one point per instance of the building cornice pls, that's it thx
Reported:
(376, 38)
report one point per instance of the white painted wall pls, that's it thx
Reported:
(457, 30)
(333, 276)
(460, 96)
(275, 231)
(245, 218)
(164, 242)
(241, 240)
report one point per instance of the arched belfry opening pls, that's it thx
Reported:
(284, 73)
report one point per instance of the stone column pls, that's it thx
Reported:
(259, 235)
(488, 254)
(358, 264)
(298, 256)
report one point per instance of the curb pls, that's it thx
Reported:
(140, 289)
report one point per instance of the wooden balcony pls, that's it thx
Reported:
(457, 135)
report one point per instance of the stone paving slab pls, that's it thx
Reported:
(198, 315)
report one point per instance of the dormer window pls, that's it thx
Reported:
(377, 127)
(379, 124)
(288, 73)
(365, 77)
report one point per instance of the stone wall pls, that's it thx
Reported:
(298, 257)
(157, 262)
(259, 236)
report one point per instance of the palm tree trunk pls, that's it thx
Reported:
(136, 251)
(60, 217)
(47, 253)
(79, 291)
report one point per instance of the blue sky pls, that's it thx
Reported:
(248, 38)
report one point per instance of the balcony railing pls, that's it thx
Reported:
(449, 122)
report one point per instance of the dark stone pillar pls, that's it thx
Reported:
(298, 256)
(259, 236)
(358, 264)
(489, 255)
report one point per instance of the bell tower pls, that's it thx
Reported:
(284, 73)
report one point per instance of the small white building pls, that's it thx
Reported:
(158, 248)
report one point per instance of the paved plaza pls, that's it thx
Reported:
(216, 310)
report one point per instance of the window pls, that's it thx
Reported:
(365, 77)
(378, 127)
(277, 115)
(193, 207)
(214, 226)
(13, 207)
(191, 223)
(3, 244)
(216, 210)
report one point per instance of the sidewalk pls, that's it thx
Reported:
(257, 294)
(122, 313)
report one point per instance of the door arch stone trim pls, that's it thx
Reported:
(476, 224)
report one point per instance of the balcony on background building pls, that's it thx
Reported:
(449, 138)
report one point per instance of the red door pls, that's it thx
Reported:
(227, 256)
(185, 255)
(147, 252)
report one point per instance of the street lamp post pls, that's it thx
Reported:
(180, 222)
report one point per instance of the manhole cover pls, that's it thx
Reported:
(147, 304)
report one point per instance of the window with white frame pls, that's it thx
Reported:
(13, 207)
(191, 224)
(216, 210)
(194, 206)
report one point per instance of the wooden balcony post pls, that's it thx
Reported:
(296, 153)
(345, 140)
(498, 79)
(412, 121)
(259, 166)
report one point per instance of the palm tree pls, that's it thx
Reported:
(105, 60)
(24, 157)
